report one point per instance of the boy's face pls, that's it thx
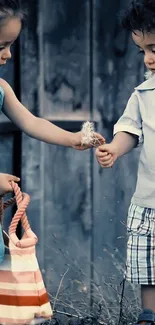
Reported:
(9, 31)
(146, 44)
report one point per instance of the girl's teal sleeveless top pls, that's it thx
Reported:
(1, 97)
(2, 247)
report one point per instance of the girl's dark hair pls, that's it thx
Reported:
(11, 8)
(140, 15)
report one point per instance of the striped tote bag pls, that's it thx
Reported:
(23, 297)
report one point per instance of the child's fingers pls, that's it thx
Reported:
(110, 165)
(103, 147)
(100, 149)
(107, 165)
(9, 188)
(100, 153)
(106, 158)
(12, 178)
(106, 162)
(100, 138)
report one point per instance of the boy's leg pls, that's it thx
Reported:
(148, 297)
(140, 258)
(147, 317)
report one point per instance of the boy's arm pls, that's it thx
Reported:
(36, 127)
(128, 133)
(121, 144)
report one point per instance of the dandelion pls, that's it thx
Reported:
(89, 136)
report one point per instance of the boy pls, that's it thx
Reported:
(137, 126)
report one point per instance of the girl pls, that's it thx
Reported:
(11, 20)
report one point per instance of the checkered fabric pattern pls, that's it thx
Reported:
(140, 266)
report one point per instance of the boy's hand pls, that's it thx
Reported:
(77, 141)
(106, 155)
(5, 186)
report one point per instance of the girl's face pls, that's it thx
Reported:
(146, 44)
(9, 31)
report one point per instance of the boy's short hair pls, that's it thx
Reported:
(139, 15)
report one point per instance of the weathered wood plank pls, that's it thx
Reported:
(67, 227)
(58, 179)
(66, 57)
(65, 43)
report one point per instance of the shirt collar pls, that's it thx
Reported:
(147, 84)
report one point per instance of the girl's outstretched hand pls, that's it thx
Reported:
(77, 142)
(5, 186)
(106, 155)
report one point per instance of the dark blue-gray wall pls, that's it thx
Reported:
(74, 63)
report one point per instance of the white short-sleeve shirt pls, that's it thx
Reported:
(139, 119)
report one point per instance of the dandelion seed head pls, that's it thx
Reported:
(89, 137)
(88, 133)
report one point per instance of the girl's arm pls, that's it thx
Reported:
(36, 127)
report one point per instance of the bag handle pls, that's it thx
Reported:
(4, 206)
(22, 200)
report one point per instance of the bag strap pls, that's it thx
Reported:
(5, 205)
(22, 201)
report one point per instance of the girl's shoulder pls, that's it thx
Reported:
(4, 89)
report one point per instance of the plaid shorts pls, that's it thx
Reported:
(140, 266)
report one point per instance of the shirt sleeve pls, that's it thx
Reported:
(131, 121)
